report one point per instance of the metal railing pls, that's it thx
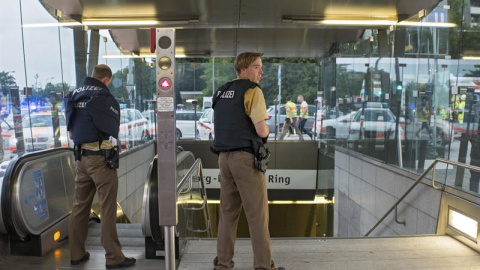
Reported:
(195, 174)
(426, 172)
(185, 186)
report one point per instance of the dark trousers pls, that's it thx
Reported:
(427, 127)
(301, 126)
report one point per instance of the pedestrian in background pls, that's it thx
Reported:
(303, 116)
(290, 119)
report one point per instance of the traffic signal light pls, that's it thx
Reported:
(399, 86)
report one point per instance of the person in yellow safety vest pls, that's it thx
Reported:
(461, 109)
(291, 119)
(443, 113)
(303, 116)
(425, 120)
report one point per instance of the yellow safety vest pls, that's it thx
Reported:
(291, 109)
(443, 114)
(304, 109)
(424, 115)
(56, 108)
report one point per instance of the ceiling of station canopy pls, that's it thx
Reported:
(224, 28)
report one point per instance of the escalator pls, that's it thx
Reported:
(193, 216)
(36, 200)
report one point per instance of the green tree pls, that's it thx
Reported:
(6, 80)
(117, 87)
(455, 15)
(145, 81)
(348, 82)
(44, 94)
(299, 76)
(224, 72)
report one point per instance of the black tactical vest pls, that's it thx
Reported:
(92, 113)
(233, 128)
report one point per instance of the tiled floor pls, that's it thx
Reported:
(420, 252)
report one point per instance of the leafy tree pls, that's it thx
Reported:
(44, 94)
(299, 76)
(224, 72)
(348, 82)
(455, 15)
(117, 87)
(6, 80)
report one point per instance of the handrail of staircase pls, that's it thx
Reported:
(432, 166)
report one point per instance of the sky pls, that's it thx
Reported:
(42, 46)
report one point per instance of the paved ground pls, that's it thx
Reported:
(420, 252)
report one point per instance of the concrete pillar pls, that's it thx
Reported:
(80, 48)
(94, 47)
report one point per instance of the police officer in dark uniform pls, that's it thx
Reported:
(240, 114)
(93, 115)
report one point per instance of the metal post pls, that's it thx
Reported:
(315, 124)
(169, 247)
(194, 103)
(279, 83)
(276, 113)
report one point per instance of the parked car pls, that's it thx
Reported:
(185, 123)
(38, 133)
(205, 125)
(134, 127)
(374, 125)
(282, 115)
(334, 128)
(7, 130)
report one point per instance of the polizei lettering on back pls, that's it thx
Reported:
(81, 104)
(87, 88)
(228, 94)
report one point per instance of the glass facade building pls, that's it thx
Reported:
(404, 94)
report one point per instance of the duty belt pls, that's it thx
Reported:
(246, 149)
(86, 152)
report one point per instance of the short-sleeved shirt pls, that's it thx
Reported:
(304, 109)
(254, 103)
(93, 146)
